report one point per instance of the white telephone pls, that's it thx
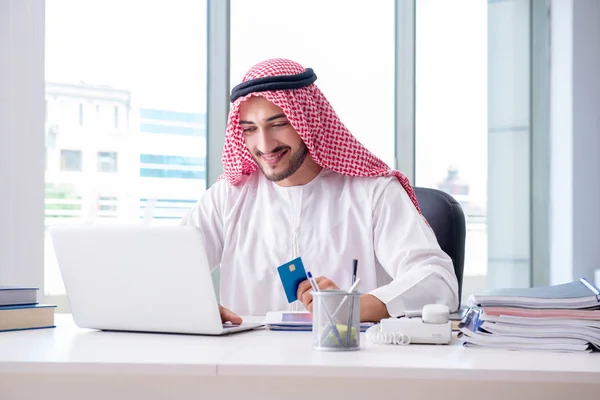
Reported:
(434, 327)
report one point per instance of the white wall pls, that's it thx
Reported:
(22, 142)
(575, 140)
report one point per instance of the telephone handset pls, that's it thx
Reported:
(434, 327)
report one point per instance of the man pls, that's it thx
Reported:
(296, 183)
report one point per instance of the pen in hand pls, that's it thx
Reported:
(313, 284)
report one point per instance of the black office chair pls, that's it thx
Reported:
(446, 218)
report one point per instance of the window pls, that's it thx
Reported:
(95, 73)
(70, 160)
(107, 206)
(165, 210)
(472, 128)
(107, 161)
(171, 129)
(352, 54)
(165, 72)
(173, 160)
(171, 173)
(62, 201)
(172, 122)
(170, 166)
(171, 116)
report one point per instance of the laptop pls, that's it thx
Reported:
(139, 278)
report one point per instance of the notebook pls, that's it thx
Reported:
(296, 321)
(14, 295)
(579, 294)
(26, 316)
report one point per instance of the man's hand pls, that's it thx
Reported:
(229, 316)
(305, 290)
(372, 309)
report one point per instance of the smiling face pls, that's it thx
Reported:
(274, 144)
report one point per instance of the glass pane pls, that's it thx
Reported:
(350, 46)
(125, 113)
(472, 128)
(70, 160)
(107, 161)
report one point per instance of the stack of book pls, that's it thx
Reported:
(20, 310)
(563, 318)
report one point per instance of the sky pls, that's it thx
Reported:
(157, 49)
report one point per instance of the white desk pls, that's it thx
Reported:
(71, 363)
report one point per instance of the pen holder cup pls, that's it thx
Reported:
(336, 320)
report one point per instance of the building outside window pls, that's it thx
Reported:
(70, 160)
(107, 161)
(89, 89)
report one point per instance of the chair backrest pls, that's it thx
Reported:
(446, 218)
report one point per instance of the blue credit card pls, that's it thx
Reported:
(291, 274)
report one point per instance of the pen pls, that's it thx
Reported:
(355, 286)
(352, 289)
(351, 312)
(315, 288)
(314, 285)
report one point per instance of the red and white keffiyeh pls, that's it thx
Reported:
(329, 142)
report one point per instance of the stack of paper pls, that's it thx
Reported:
(563, 318)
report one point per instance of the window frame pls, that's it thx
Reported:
(22, 110)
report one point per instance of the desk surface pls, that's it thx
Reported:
(71, 350)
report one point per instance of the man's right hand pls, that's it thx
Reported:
(229, 316)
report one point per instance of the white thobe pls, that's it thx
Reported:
(254, 227)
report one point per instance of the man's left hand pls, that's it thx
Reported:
(305, 290)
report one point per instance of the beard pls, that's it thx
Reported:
(296, 160)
